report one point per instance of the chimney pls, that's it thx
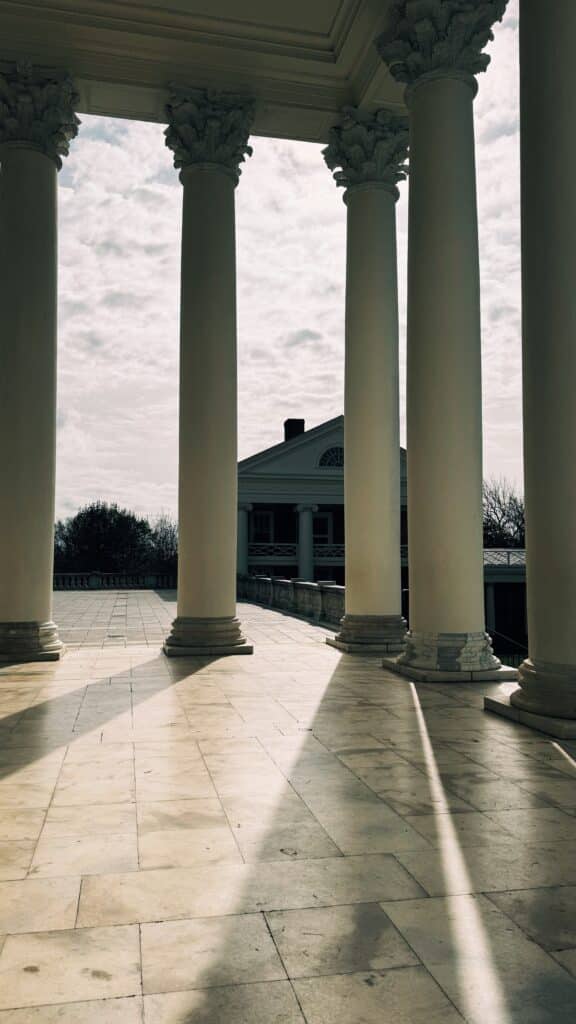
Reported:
(293, 428)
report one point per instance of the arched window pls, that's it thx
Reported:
(333, 457)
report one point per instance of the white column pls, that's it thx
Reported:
(36, 123)
(306, 541)
(373, 620)
(209, 134)
(242, 559)
(547, 695)
(447, 638)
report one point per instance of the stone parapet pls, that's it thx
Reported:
(320, 602)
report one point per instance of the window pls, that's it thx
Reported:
(262, 527)
(333, 457)
(323, 528)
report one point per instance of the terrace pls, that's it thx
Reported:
(296, 837)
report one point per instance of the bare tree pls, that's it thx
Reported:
(503, 515)
(165, 544)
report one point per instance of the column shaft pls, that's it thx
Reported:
(306, 541)
(444, 400)
(208, 431)
(548, 110)
(373, 622)
(28, 300)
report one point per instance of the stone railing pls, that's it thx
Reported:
(504, 556)
(288, 553)
(114, 581)
(321, 602)
(329, 552)
(284, 551)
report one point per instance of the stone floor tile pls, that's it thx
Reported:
(241, 888)
(101, 1011)
(25, 794)
(208, 952)
(336, 940)
(185, 814)
(87, 791)
(169, 848)
(84, 855)
(97, 819)
(188, 787)
(292, 842)
(495, 868)
(38, 904)
(370, 827)
(416, 797)
(15, 857)
(21, 823)
(79, 753)
(531, 825)
(405, 996)
(493, 795)
(486, 965)
(472, 828)
(259, 811)
(554, 789)
(547, 915)
(567, 958)
(65, 966)
(378, 757)
(270, 1002)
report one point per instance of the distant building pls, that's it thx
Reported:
(291, 523)
(291, 504)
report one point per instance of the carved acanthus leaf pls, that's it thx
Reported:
(38, 109)
(431, 36)
(368, 148)
(209, 127)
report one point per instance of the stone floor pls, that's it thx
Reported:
(296, 836)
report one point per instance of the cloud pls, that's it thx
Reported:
(302, 337)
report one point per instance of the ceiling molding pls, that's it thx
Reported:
(125, 55)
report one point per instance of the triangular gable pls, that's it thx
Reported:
(298, 456)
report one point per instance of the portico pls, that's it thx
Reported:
(370, 82)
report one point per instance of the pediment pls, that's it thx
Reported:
(300, 456)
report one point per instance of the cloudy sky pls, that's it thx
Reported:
(120, 206)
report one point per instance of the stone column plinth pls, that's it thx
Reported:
(37, 121)
(306, 541)
(242, 558)
(370, 151)
(546, 699)
(208, 133)
(436, 53)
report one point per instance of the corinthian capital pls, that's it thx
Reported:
(209, 127)
(368, 149)
(38, 109)
(438, 37)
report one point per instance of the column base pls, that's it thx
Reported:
(29, 641)
(211, 637)
(560, 728)
(370, 634)
(449, 657)
(545, 699)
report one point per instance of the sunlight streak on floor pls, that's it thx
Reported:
(475, 963)
(565, 754)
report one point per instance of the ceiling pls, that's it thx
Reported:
(301, 59)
